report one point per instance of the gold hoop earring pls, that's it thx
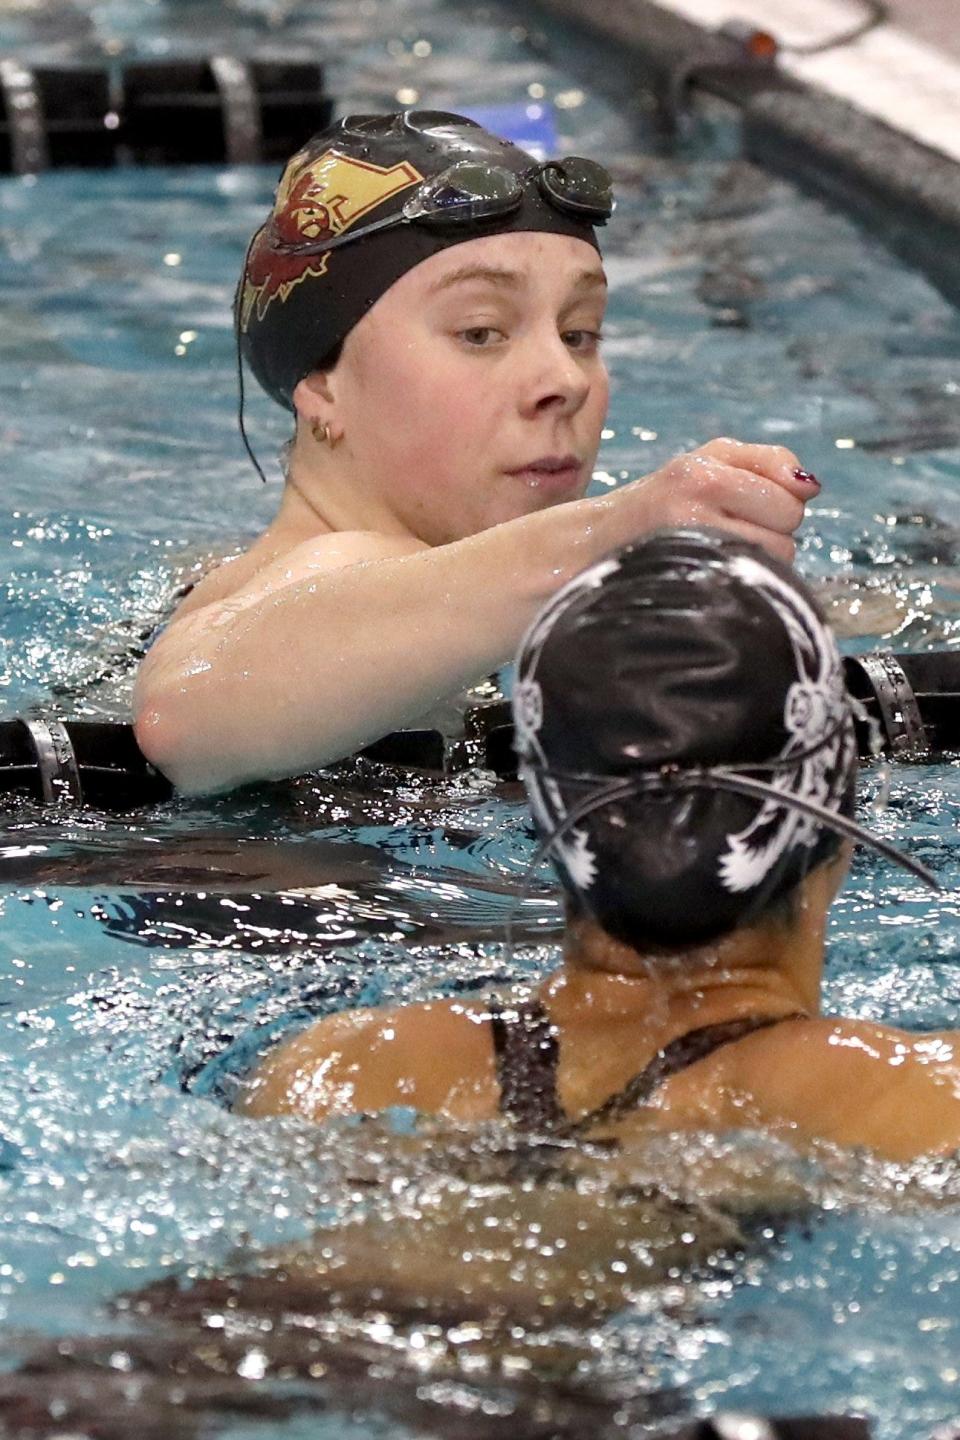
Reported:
(320, 431)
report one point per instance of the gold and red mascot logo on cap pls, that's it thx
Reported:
(317, 198)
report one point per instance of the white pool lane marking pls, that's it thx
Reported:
(886, 73)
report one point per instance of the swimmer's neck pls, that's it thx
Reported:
(771, 967)
(324, 496)
(749, 974)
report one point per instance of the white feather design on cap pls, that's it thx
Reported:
(546, 801)
(814, 712)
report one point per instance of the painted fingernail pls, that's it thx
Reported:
(806, 477)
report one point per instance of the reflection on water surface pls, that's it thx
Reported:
(170, 1268)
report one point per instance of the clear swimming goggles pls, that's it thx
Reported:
(469, 192)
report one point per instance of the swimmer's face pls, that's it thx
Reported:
(473, 392)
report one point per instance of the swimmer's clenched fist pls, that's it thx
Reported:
(449, 393)
(757, 491)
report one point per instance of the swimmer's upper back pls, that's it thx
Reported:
(836, 1081)
(843, 1082)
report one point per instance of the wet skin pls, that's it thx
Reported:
(808, 1079)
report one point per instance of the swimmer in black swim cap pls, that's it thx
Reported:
(428, 299)
(687, 745)
(686, 738)
(407, 186)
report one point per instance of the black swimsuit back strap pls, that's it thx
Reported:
(527, 1054)
(678, 1055)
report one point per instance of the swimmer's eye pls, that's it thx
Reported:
(584, 341)
(481, 336)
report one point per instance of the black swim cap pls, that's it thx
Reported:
(686, 650)
(292, 310)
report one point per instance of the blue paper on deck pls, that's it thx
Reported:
(528, 123)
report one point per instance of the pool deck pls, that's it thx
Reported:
(897, 72)
(935, 21)
(873, 125)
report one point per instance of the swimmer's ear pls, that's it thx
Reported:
(311, 389)
(315, 404)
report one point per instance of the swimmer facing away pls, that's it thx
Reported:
(427, 300)
(687, 744)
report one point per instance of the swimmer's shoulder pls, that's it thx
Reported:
(435, 1057)
(848, 1082)
(274, 562)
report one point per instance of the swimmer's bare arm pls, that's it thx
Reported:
(345, 638)
(436, 1058)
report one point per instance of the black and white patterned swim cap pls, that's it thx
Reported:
(685, 657)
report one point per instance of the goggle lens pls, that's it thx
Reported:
(579, 185)
(465, 192)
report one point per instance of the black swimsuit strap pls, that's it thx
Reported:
(678, 1055)
(526, 1053)
(527, 1057)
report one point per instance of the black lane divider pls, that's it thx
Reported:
(756, 1427)
(910, 709)
(205, 111)
(67, 763)
(913, 699)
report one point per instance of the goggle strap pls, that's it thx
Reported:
(321, 247)
(241, 394)
(840, 824)
(370, 229)
(721, 779)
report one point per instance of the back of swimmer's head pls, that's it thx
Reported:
(641, 685)
(375, 193)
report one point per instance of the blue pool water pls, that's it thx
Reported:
(133, 949)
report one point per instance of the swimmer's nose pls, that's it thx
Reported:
(553, 378)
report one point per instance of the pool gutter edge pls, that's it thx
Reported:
(906, 193)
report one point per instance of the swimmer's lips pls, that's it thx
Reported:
(551, 472)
